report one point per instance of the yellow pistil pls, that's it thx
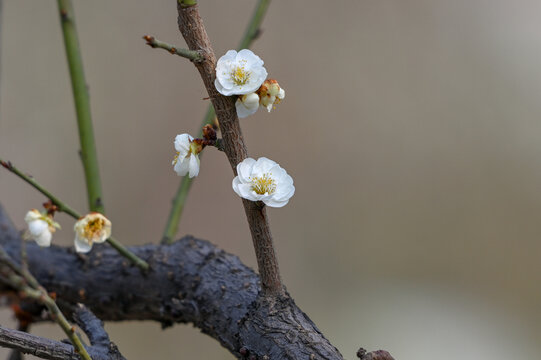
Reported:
(175, 159)
(240, 76)
(263, 185)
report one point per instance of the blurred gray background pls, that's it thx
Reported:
(411, 128)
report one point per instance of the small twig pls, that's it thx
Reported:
(23, 342)
(29, 287)
(362, 354)
(16, 354)
(89, 155)
(92, 326)
(36, 345)
(62, 206)
(185, 53)
(30, 180)
(251, 33)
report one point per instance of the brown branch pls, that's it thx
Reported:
(192, 29)
(36, 345)
(102, 348)
(188, 54)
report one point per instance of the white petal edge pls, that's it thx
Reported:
(194, 166)
(81, 246)
(244, 169)
(44, 239)
(182, 143)
(37, 227)
(243, 111)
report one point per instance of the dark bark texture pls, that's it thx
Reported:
(190, 281)
(101, 348)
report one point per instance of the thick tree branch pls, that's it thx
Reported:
(102, 348)
(190, 281)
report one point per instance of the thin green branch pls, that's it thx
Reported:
(24, 282)
(252, 32)
(63, 207)
(29, 179)
(185, 53)
(82, 106)
(253, 28)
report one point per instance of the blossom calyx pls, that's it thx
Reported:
(91, 228)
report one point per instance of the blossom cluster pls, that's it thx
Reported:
(91, 228)
(242, 73)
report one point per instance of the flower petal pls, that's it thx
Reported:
(263, 166)
(243, 111)
(276, 203)
(182, 144)
(194, 166)
(248, 56)
(81, 246)
(37, 227)
(32, 215)
(244, 169)
(182, 166)
(44, 239)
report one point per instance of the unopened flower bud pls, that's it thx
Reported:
(247, 105)
(270, 94)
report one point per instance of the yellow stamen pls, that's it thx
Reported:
(93, 229)
(263, 185)
(239, 75)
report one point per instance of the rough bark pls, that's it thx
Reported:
(101, 347)
(190, 281)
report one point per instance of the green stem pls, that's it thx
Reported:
(187, 3)
(251, 33)
(82, 106)
(56, 201)
(63, 207)
(61, 320)
(185, 53)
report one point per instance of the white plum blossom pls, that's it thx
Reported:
(40, 227)
(239, 73)
(270, 94)
(263, 180)
(91, 228)
(187, 160)
(247, 105)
